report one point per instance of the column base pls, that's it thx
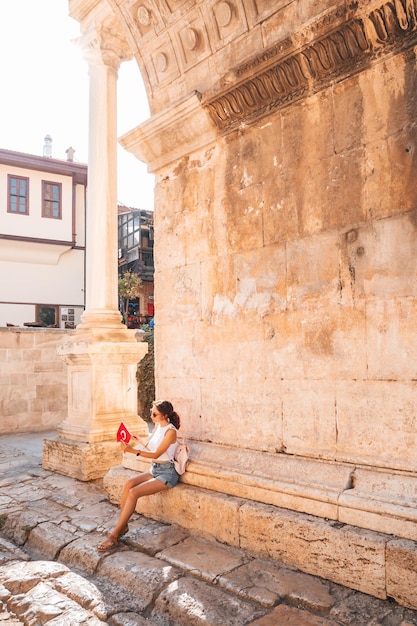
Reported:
(83, 461)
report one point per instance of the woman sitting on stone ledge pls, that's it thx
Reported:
(162, 475)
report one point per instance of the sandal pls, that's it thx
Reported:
(109, 544)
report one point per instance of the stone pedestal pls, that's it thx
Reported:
(83, 461)
(102, 392)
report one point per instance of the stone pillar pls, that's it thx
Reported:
(102, 355)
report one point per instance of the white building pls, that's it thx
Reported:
(42, 239)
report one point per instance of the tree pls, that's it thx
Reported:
(146, 380)
(130, 286)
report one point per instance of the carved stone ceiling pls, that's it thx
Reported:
(187, 45)
(248, 57)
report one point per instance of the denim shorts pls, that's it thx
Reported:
(165, 472)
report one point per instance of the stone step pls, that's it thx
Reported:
(375, 563)
(164, 574)
(161, 575)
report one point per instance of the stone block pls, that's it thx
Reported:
(401, 566)
(392, 338)
(46, 540)
(257, 284)
(185, 288)
(84, 461)
(48, 339)
(384, 262)
(191, 600)
(313, 270)
(14, 407)
(196, 510)
(311, 486)
(325, 190)
(16, 339)
(381, 501)
(270, 583)
(375, 426)
(383, 105)
(151, 537)
(281, 24)
(347, 555)
(205, 559)
(22, 576)
(81, 553)
(85, 593)
(391, 167)
(309, 418)
(114, 481)
(49, 366)
(135, 578)
(326, 344)
(32, 355)
(54, 390)
(215, 428)
(348, 132)
(47, 604)
(291, 616)
(10, 553)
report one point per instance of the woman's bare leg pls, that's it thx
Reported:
(145, 488)
(142, 485)
(133, 482)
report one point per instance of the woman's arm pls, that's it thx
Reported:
(170, 437)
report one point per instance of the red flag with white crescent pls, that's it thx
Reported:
(123, 434)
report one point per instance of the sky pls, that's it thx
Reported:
(44, 87)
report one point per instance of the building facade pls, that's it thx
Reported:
(135, 254)
(42, 240)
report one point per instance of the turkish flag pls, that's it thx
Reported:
(123, 434)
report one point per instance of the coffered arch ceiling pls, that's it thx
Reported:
(245, 58)
(183, 46)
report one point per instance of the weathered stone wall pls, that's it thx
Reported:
(286, 276)
(283, 139)
(33, 380)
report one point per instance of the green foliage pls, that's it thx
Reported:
(130, 287)
(3, 519)
(146, 380)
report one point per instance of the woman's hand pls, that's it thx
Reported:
(141, 440)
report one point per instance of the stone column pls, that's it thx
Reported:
(102, 354)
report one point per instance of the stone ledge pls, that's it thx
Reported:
(374, 499)
(354, 557)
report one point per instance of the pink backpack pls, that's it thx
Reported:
(181, 457)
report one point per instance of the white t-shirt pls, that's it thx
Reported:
(156, 438)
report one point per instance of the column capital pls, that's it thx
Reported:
(104, 45)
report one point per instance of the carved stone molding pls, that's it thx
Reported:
(348, 49)
(171, 134)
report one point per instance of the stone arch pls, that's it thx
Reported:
(282, 135)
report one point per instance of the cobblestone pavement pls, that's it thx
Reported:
(51, 572)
